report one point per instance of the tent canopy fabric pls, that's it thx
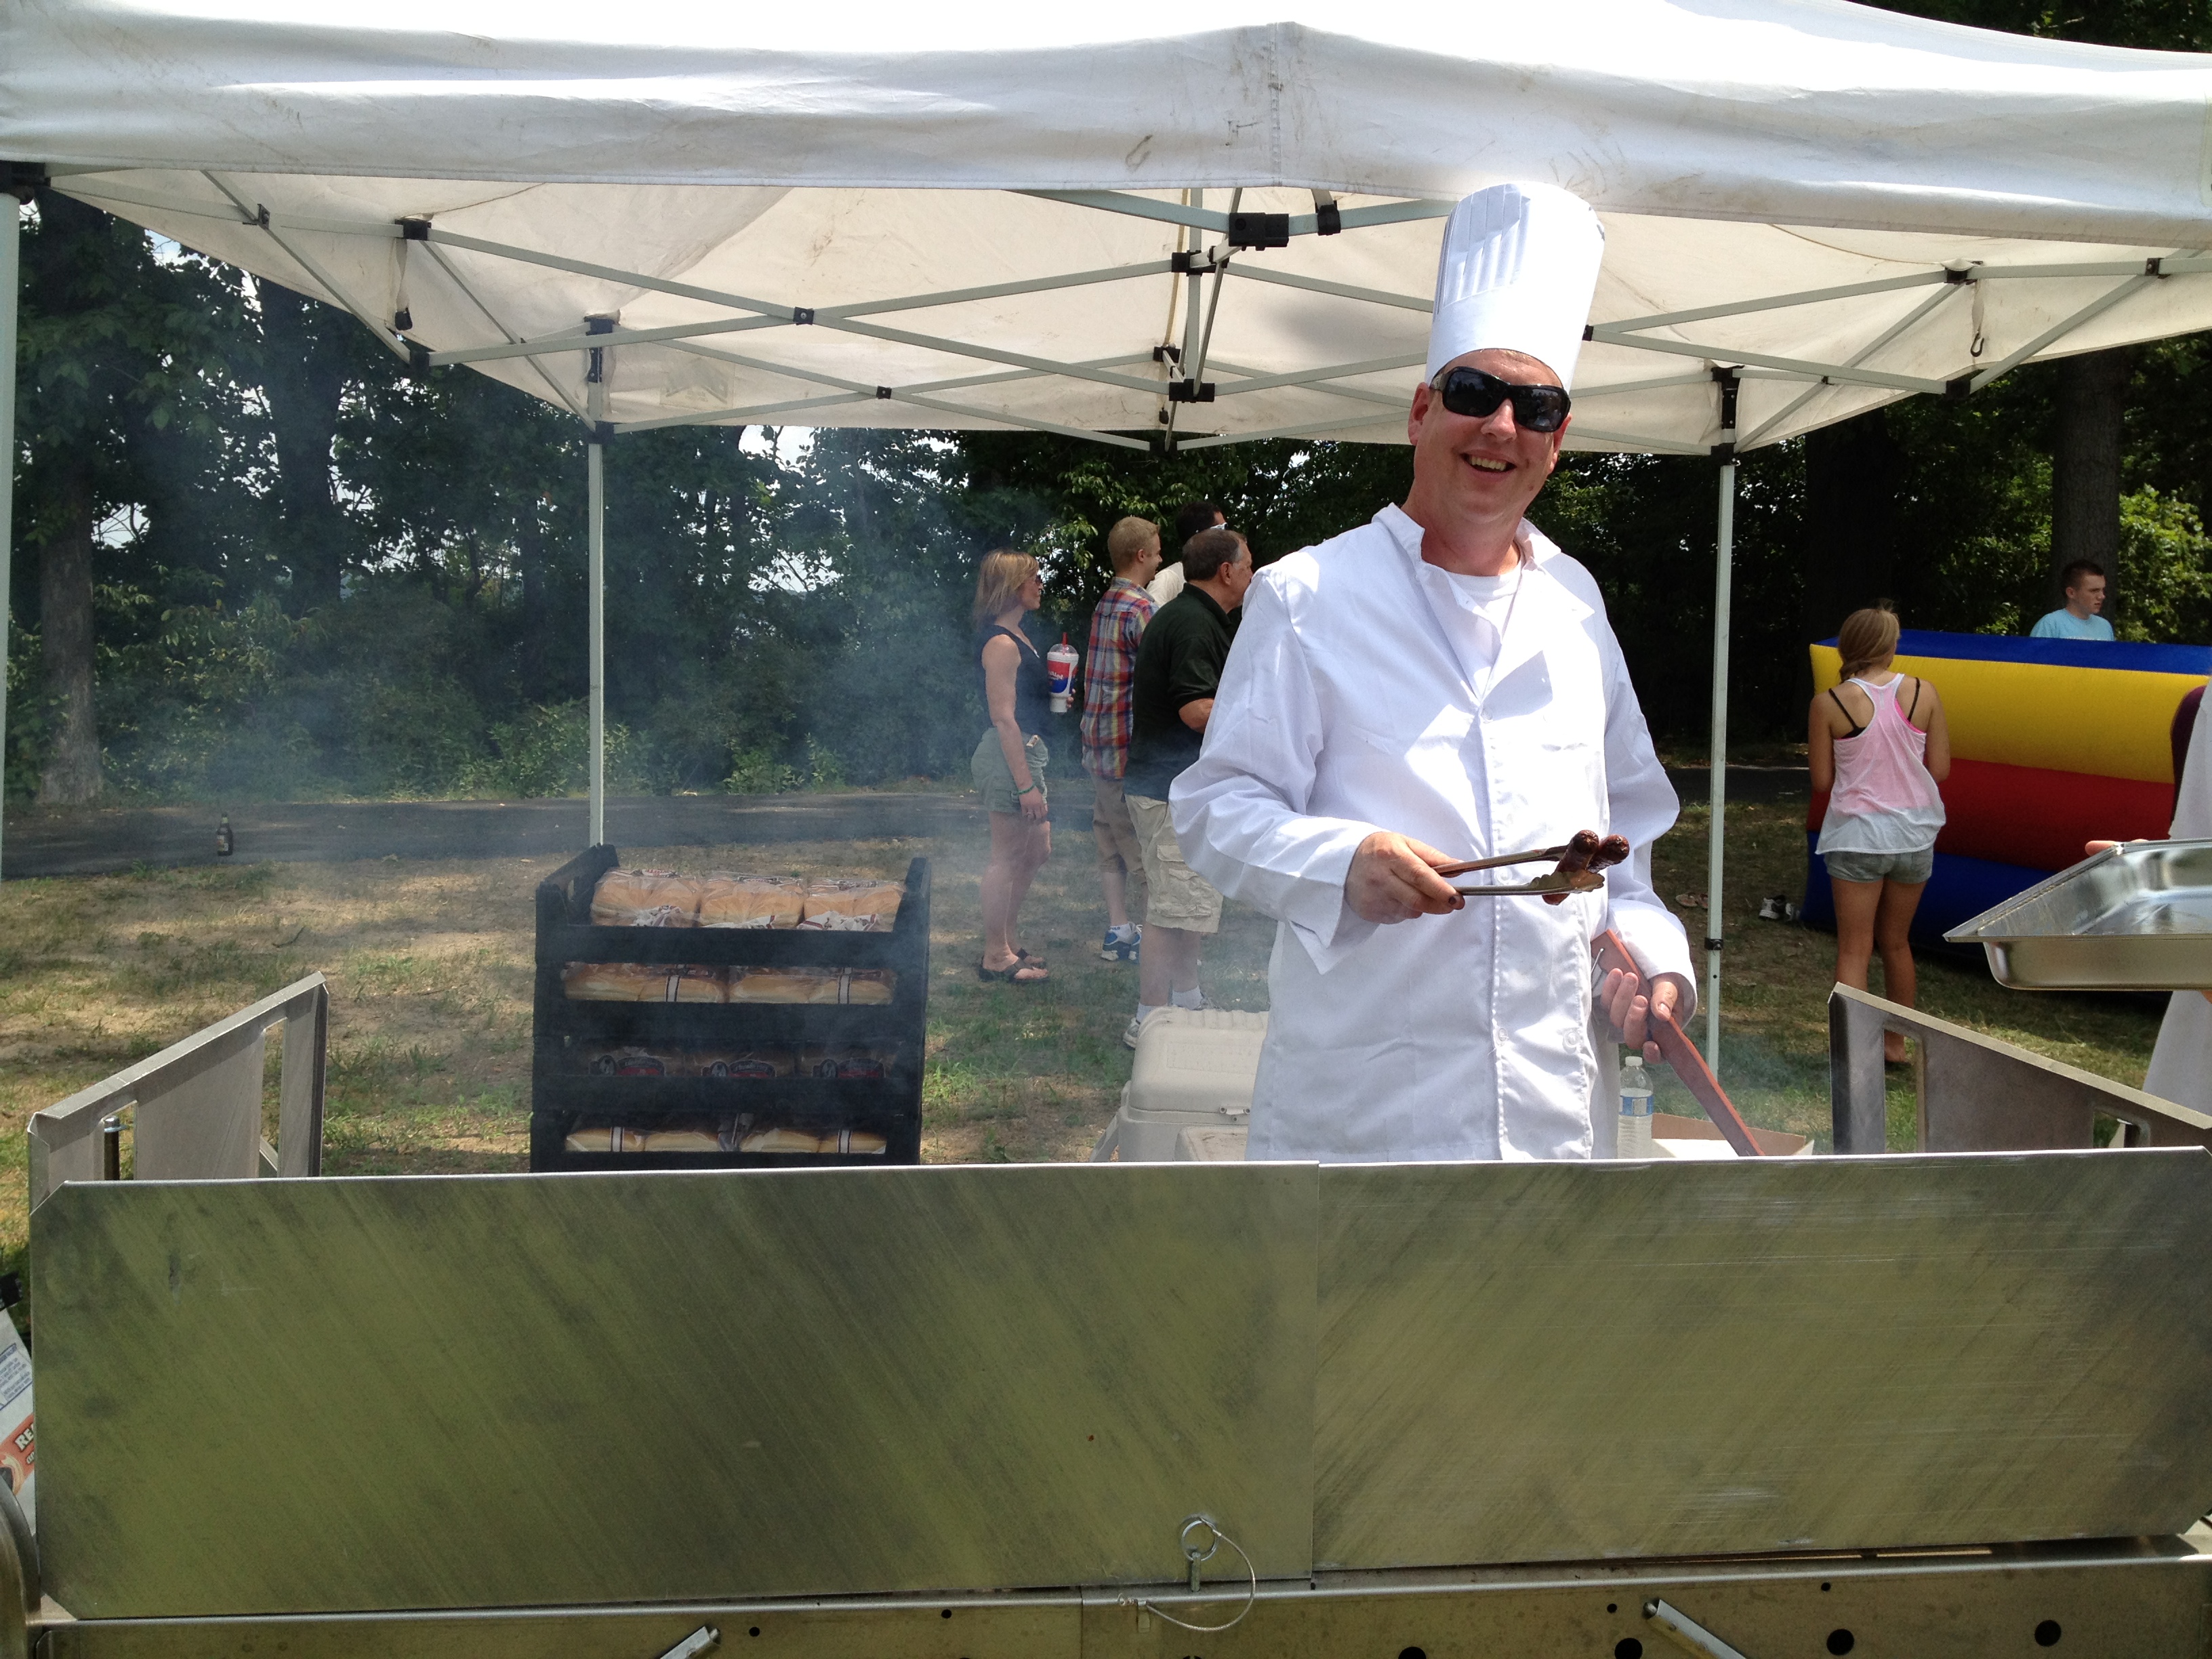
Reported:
(785, 218)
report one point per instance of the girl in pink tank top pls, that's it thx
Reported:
(1879, 747)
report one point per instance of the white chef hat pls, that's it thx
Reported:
(1518, 268)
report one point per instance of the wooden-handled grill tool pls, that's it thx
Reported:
(1680, 1052)
(1579, 862)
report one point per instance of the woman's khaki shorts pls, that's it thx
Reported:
(994, 780)
(1906, 869)
(1175, 896)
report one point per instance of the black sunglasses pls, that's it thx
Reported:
(1471, 391)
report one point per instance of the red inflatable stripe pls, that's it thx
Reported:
(2028, 816)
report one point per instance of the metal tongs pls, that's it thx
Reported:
(1559, 881)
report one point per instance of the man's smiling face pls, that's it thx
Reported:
(1488, 466)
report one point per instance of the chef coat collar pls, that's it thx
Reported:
(1408, 535)
(1538, 606)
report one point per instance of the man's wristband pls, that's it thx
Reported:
(1018, 794)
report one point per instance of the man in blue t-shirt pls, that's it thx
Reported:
(2077, 619)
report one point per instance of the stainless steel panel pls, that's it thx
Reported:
(2121, 1600)
(1977, 1094)
(2135, 918)
(282, 1396)
(299, 1084)
(1009, 1628)
(206, 1127)
(199, 1102)
(1555, 1362)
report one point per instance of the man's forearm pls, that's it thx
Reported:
(1196, 712)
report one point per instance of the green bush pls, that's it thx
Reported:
(2165, 570)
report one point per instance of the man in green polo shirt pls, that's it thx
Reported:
(1171, 696)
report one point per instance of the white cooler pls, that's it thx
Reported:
(1195, 1070)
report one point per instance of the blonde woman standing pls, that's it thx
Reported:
(1878, 743)
(1009, 758)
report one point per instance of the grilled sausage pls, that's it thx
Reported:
(1582, 851)
(1612, 851)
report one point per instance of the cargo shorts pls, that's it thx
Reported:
(1175, 896)
(1113, 829)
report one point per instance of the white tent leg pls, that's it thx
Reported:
(595, 452)
(11, 281)
(1716, 853)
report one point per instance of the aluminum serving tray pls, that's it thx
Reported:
(2135, 918)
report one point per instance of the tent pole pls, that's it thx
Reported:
(595, 461)
(11, 210)
(1717, 832)
(597, 372)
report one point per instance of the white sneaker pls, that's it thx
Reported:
(1130, 1034)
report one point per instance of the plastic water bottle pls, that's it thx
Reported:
(1634, 1139)
(1059, 672)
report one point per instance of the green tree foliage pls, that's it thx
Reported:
(129, 420)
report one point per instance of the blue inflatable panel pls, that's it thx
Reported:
(1961, 890)
(2132, 655)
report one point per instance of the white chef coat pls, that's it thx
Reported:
(2181, 1063)
(1356, 700)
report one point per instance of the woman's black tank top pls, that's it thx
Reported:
(1032, 685)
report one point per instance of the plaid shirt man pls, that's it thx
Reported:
(1116, 627)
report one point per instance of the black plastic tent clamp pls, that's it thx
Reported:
(1729, 384)
(1261, 229)
(1190, 391)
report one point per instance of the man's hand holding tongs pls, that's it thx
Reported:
(1393, 879)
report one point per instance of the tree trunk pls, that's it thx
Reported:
(2085, 467)
(537, 606)
(303, 376)
(72, 770)
(1854, 474)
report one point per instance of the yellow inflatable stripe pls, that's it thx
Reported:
(2108, 723)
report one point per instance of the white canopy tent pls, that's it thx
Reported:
(1219, 228)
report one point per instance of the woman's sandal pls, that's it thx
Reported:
(1019, 971)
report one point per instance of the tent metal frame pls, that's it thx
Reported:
(1722, 367)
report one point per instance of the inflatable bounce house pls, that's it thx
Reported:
(2054, 743)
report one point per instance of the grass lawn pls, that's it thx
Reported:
(429, 970)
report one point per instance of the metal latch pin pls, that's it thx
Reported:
(1190, 1552)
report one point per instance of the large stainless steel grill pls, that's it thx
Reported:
(1883, 1406)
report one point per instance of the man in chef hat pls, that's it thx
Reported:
(1441, 683)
